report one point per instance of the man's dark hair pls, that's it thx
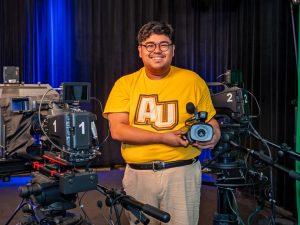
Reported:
(155, 27)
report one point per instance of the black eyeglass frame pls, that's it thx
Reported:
(166, 44)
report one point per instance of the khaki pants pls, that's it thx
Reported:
(175, 190)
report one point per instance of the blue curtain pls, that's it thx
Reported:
(48, 56)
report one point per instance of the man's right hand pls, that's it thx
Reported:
(122, 131)
(175, 138)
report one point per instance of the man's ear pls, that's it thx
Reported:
(173, 50)
(140, 49)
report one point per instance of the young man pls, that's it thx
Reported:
(147, 113)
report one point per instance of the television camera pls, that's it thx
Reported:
(231, 102)
(51, 135)
(44, 131)
(31, 112)
(232, 106)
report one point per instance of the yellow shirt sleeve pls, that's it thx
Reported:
(119, 99)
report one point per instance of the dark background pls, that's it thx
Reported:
(95, 41)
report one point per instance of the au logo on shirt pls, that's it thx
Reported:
(160, 115)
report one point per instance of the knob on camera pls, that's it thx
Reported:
(199, 131)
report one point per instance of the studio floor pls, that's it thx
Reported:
(9, 200)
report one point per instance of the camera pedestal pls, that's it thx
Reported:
(224, 214)
(231, 175)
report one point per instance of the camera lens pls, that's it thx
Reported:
(201, 132)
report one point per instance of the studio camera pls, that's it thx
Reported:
(230, 99)
(45, 131)
(64, 130)
(68, 131)
(231, 102)
(199, 130)
(68, 139)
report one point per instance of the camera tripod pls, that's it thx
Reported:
(231, 174)
(46, 204)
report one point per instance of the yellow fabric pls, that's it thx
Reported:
(160, 106)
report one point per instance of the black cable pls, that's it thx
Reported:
(235, 211)
(41, 124)
(98, 144)
(120, 214)
(112, 203)
(214, 158)
(108, 133)
(117, 215)
(272, 192)
(20, 206)
(294, 35)
(86, 217)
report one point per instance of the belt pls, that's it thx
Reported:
(158, 165)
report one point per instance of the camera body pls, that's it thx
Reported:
(71, 130)
(199, 130)
(38, 118)
(231, 101)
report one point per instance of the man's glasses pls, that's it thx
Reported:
(151, 46)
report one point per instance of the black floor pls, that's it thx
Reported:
(9, 200)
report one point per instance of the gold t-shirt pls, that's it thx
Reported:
(159, 106)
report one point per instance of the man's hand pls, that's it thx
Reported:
(120, 130)
(175, 138)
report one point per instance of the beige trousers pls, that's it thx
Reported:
(174, 190)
